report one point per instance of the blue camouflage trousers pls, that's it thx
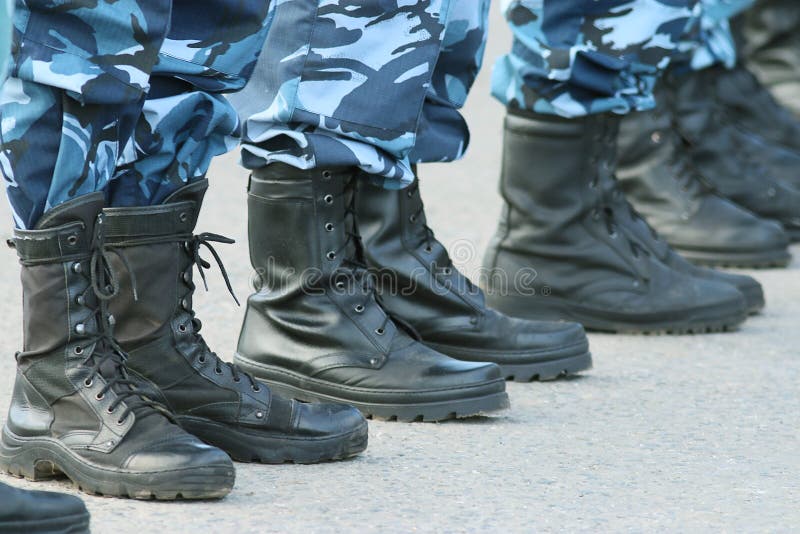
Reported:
(121, 96)
(376, 84)
(593, 56)
(5, 35)
(113, 95)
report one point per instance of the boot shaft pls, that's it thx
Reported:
(300, 225)
(154, 242)
(55, 274)
(554, 169)
(413, 270)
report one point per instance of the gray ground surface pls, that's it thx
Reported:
(666, 433)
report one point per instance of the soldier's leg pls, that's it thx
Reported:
(573, 69)
(81, 72)
(771, 32)
(337, 97)
(741, 139)
(156, 197)
(18, 506)
(422, 286)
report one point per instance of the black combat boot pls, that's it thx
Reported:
(648, 238)
(562, 252)
(210, 398)
(418, 283)
(315, 331)
(771, 45)
(748, 104)
(658, 177)
(41, 512)
(74, 409)
(739, 165)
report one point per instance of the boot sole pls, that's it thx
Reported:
(542, 371)
(44, 459)
(73, 524)
(743, 260)
(697, 321)
(248, 447)
(278, 380)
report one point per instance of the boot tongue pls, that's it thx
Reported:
(84, 209)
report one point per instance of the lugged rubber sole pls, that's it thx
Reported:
(770, 259)
(697, 321)
(545, 371)
(245, 446)
(278, 380)
(43, 459)
(74, 524)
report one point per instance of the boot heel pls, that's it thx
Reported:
(21, 463)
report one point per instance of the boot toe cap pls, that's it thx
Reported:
(177, 454)
(320, 420)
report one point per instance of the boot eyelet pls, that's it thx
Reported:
(77, 267)
(110, 410)
(183, 217)
(80, 328)
(340, 285)
(256, 389)
(412, 219)
(121, 422)
(428, 249)
(78, 350)
(80, 300)
(100, 396)
(331, 255)
(88, 382)
(374, 361)
(328, 199)
(182, 328)
(217, 371)
(380, 331)
(185, 304)
(329, 227)
(260, 415)
(201, 359)
(656, 137)
(447, 271)
(327, 174)
(237, 379)
(72, 240)
(187, 277)
(409, 194)
(359, 309)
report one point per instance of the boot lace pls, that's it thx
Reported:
(354, 270)
(430, 237)
(108, 359)
(192, 249)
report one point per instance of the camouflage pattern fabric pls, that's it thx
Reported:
(6, 6)
(122, 96)
(710, 41)
(589, 56)
(375, 84)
